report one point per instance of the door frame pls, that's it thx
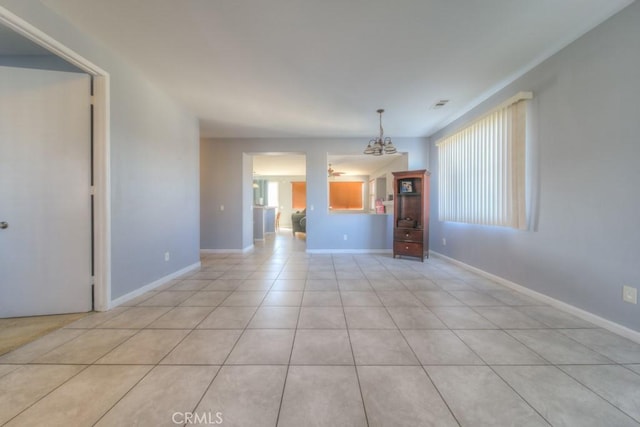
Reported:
(101, 149)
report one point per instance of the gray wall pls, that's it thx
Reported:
(587, 242)
(38, 62)
(154, 164)
(226, 174)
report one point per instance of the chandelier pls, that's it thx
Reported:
(380, 145)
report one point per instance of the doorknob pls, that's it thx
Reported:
(4, 225)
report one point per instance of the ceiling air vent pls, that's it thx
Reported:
(439, 104)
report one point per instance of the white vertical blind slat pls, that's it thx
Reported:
(482, 170)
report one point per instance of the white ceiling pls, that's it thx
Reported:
(321, 68)
(287, 164)
(280, 164)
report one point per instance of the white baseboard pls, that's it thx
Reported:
(578, 312)
(227, 251)
(349, 251)
(133, 294)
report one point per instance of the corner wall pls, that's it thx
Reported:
(587, 241)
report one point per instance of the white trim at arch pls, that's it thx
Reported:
(101, 126)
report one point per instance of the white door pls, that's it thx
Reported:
(45, 167)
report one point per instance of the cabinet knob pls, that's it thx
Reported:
(406, 235)
(406, 247)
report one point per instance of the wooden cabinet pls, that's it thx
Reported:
(411, 214)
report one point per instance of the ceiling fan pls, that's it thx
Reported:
(333, 173)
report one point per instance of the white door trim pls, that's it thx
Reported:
(101, 139)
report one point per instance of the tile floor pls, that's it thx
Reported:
(281, 337)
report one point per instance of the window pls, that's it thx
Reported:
(481, 169)
(345, 195)
(272, 194)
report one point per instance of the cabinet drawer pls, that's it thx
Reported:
(408, 248)
(408, 234)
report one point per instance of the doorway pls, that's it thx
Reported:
(276, 180)
(100, 133)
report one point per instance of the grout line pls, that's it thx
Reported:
(355, 365)
(286, 375)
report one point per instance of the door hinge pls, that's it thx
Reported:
(92, 190)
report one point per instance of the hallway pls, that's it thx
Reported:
(281, 337)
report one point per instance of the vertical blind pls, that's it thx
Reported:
(346, 195)
(481, 169)
(298, 195)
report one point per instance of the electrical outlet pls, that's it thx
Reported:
(444, 242)
(167, 256)
(629, 294)
(345, 237)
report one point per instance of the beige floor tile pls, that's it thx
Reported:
(96, 318)
(354, 285)
(360, 299)
(557, 348)
(321, 318)
(499, 348)
(289, 284)
(83, 399)
(228, 318)
(554, 318)
(263, 347)
(283, 298)
(255, 284)
(275, 318)
(165, 391)
(321, 299)
(166, 299)
(399, 299)
(149, 346)
(135, 318)
(244, 299)
(322, 347)
(223, 285)
(27, 384)
(508, 318)
(5, 369)
(368, 318)
(415, 318)
(322, 396)
(245, 395)
(381, 347)
(402, 396)
(437, 299)
(191, 285)
(440, 347)
(615, 347)
(478, 397)
(140, 298)
(206, 299)
(613, 383)
(88, 347)
(561, 399)
(203, 347)
(181, 318)
(462, 318)
(37, 348)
